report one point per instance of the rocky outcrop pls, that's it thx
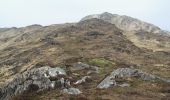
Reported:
(37, 79)
(125, 73)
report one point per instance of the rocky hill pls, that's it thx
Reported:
(141, 33)
(91, 59)
(126, 23)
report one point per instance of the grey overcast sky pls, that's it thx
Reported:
(18, 13)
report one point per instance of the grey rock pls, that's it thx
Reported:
(35, 80)
(53, 84)
(80, 66)
(62, 82)
(72, 91)
(130, 72)
(165, 80)
(127, 72)
(106, 83)
(124, 85)
(67, 83)
(53, 72)
(82, 80)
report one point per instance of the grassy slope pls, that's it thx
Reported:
(108, 50)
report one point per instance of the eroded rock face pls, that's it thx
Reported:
(125, 73)
(37, 79)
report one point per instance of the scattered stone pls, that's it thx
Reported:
(80, 66)
(72, 91)
(124, 85)
(82, 80)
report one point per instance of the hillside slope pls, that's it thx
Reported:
(94, 42)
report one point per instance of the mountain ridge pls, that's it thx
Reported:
(141, 33)
(119, 20)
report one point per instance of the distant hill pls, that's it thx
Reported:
(143, 34)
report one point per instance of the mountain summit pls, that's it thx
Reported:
(125, 22)
(141, 33)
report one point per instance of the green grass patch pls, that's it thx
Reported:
(101, 62)
(105, 66)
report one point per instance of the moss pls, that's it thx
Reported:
(101, 62)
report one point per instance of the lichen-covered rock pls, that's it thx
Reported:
(125, 73)
(53, 72)
(35, 80)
